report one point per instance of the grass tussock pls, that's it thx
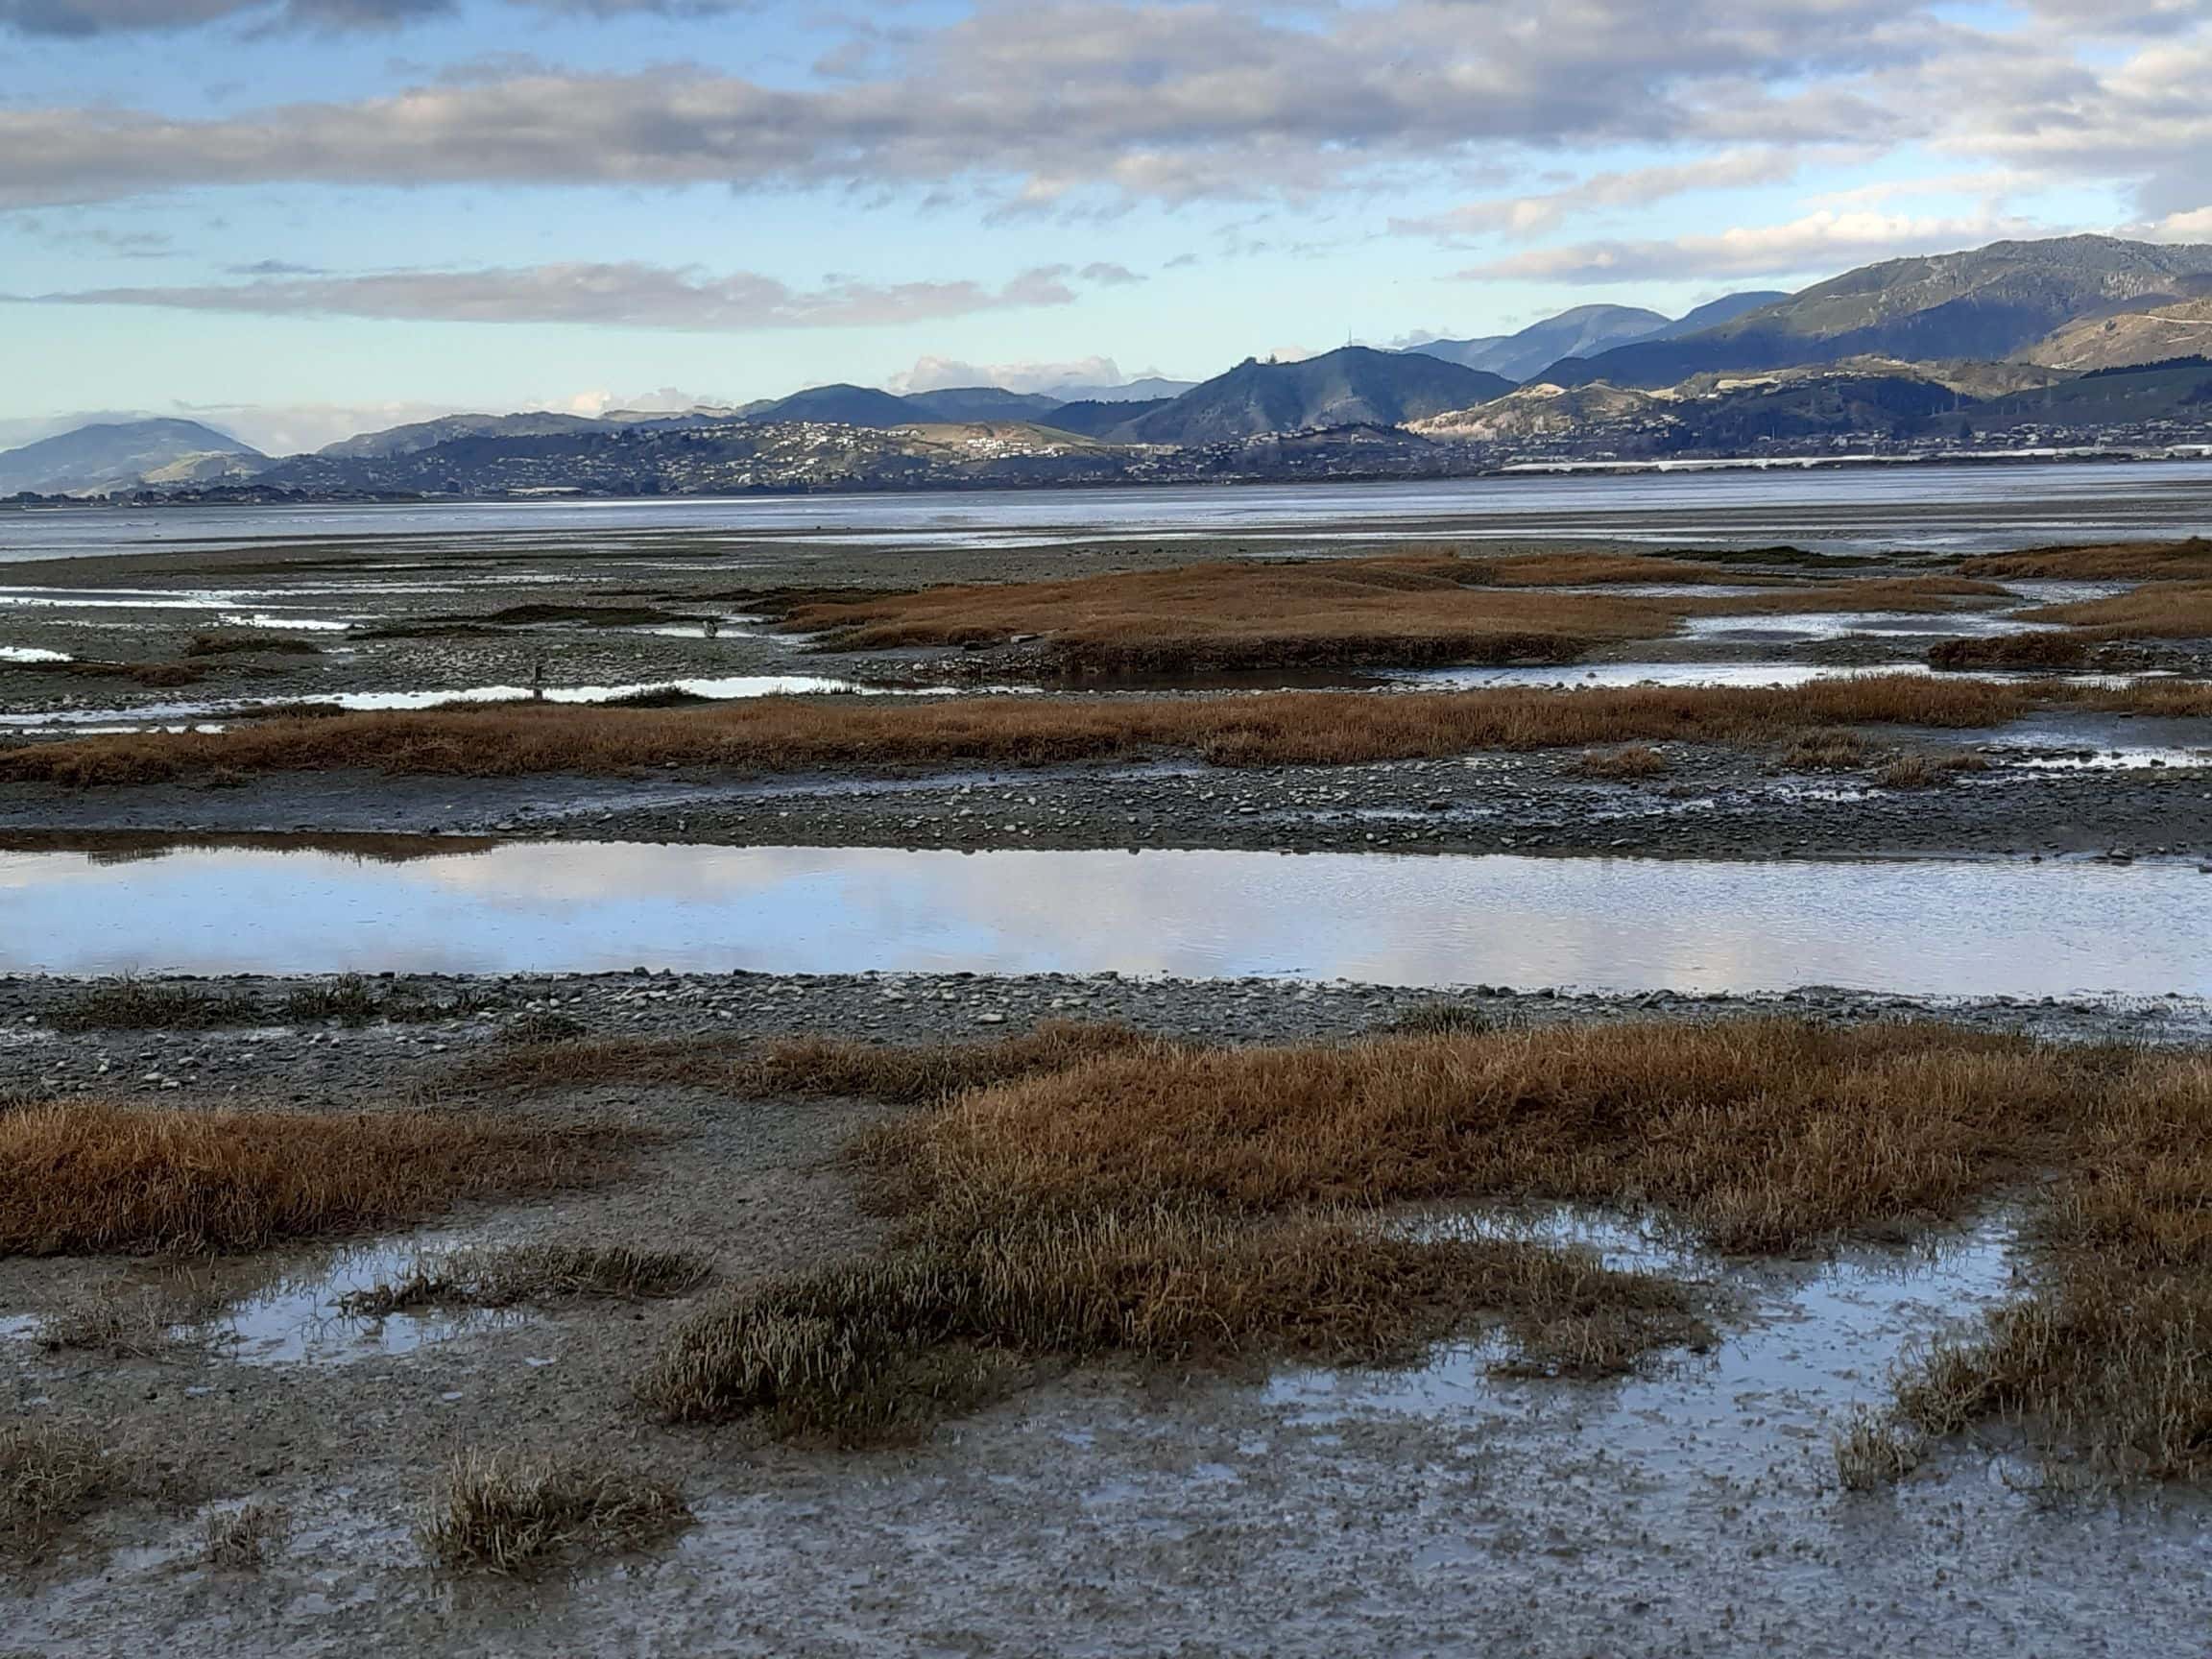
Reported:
(1928, 771)
(242, 1540)
(2107, 1367)
(508, 1514)
(1839, 750)
(50, 1477)
(1873, 1452)
(902, 1074)
(2111, 562)
(138, 1005)
(2162, 611)
(131, 1004)
(88, 1177)
(356, 999)
(127, 1321)
(773, 734)
(249, 644)
(2033, 651)
(877, 1350)
(506, 1277)
(1624, 764)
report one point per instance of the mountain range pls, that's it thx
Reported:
(2083, 332)
(1585, 330)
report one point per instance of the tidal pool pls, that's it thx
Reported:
(1927, 927)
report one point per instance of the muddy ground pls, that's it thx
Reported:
(1692, 1509)
(2058, 787)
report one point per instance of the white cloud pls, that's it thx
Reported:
(1635, 187)
(1037, 102)
(937, 374)
(1821, 243)
(632, 295)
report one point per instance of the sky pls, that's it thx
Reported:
(298, 219)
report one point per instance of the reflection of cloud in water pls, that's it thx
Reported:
(1925, 926)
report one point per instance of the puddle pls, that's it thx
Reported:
(1814, 1343)
(1927, 927)
(87, 722)
(294, 1315)
(2064, 740)
(1617, 674)
(263, 619)
(31, 654)
(1816, 625)
(298, 1318)
(1743, 674)
(2050, 590)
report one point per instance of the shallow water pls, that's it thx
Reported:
(732, 687)
(1809, 625)
(1814, 1343)
(1948, 508)
(1934, 927)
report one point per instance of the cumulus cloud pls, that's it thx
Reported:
(1043, 102)
(77, 19)
(632, 295)
(1633, 188)
(937, 374)
(1818, 242)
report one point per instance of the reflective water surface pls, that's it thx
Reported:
(1928, 927)
(1925, 507)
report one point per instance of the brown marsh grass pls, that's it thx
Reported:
(505, 1277)
(50, 1477)
(768, 735)
(507, 1513)
(2163, 611)
(88, 1177)
(877, 1350)
(1632, 761)
(1216, 1206)
(2111, 562)
(241, 1540)
(2010, 651)
(1399, 610)
(1928, 771)
(1756, 1135)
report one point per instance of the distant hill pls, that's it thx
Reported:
(976, 403)
(2154, 392)
(101, 460)
(1542, 411)
(1096, 418)
(840, 405)
(1578, 333)
(1583, 332)
(2182, 328)
(1715, 312)
(1352, 386)
(1153, 388)
(1989, 302)
(422, 435)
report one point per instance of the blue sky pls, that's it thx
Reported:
(304, 217)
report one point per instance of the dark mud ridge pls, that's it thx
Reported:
(269, 1057)
(1709, 802)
